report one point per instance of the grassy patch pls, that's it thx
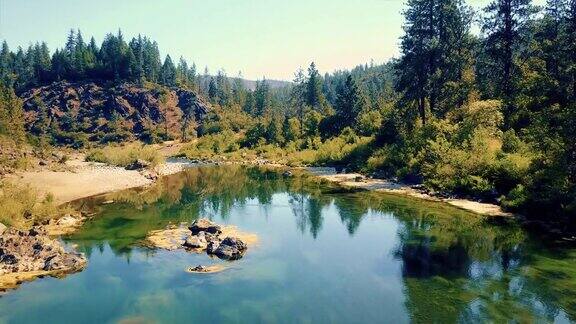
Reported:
(23, 207)
(126, 154)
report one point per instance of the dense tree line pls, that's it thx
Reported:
(488, 115)
(137, 60)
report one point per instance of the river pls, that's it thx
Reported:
(325, 255)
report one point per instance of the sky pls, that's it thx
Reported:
(260, 38)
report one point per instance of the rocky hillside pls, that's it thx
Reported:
(103, 111)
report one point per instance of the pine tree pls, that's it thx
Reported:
(570, 40)
(274, 131)
(503, 24)
(450, 84)
(22, 69)
(5, 64)
(435, 54)
(11, 115)
(137, 47)
(262, 99)
(182, 72)
(413, 69)
(192, 76)
(213, 90)
(70, 43)
(238, 90)
(168, 72)
(349, 104)
(314, 96)
(80, 56)
(43, 62)
(151, 61)
(223, 87)
(298, 96)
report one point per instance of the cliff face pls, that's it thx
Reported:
(107, 112)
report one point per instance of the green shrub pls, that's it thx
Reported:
(125, 155)
(369, 123)
(516, 198)
(22, 207)
(209, 145)
(511, 143)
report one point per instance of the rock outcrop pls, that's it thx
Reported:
(98, 108)
(206, 226)
(25, 255)
(224, 242)
(230, 248)
(206, 235)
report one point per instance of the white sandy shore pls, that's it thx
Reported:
(85, 179)
(356, 180)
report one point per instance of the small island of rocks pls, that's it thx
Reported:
(203, 235)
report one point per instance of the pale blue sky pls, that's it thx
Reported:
(269, 38)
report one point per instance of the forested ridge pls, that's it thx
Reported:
(489, 115)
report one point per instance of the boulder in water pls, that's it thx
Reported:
(204, 225)
(230, 249)
(195, 242)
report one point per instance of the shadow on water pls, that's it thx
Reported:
(455, 266)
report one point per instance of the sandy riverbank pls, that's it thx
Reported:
(356, 180)
(82, 179)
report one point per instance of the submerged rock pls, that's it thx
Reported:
(206, 269)
(204, 225)
(198, 268)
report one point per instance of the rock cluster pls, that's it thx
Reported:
(27, 251)
(206, 235)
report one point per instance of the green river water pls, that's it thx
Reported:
(324, 255)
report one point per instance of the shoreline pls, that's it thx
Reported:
(359, 181)
(83, 179)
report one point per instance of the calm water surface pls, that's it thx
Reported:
(324, 256)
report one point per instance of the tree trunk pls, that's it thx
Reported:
(508, 63)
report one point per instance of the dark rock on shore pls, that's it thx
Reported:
(138, 165)
(34, 251)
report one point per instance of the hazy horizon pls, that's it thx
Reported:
(260, 38)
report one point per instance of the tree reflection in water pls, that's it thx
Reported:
(456, 266)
